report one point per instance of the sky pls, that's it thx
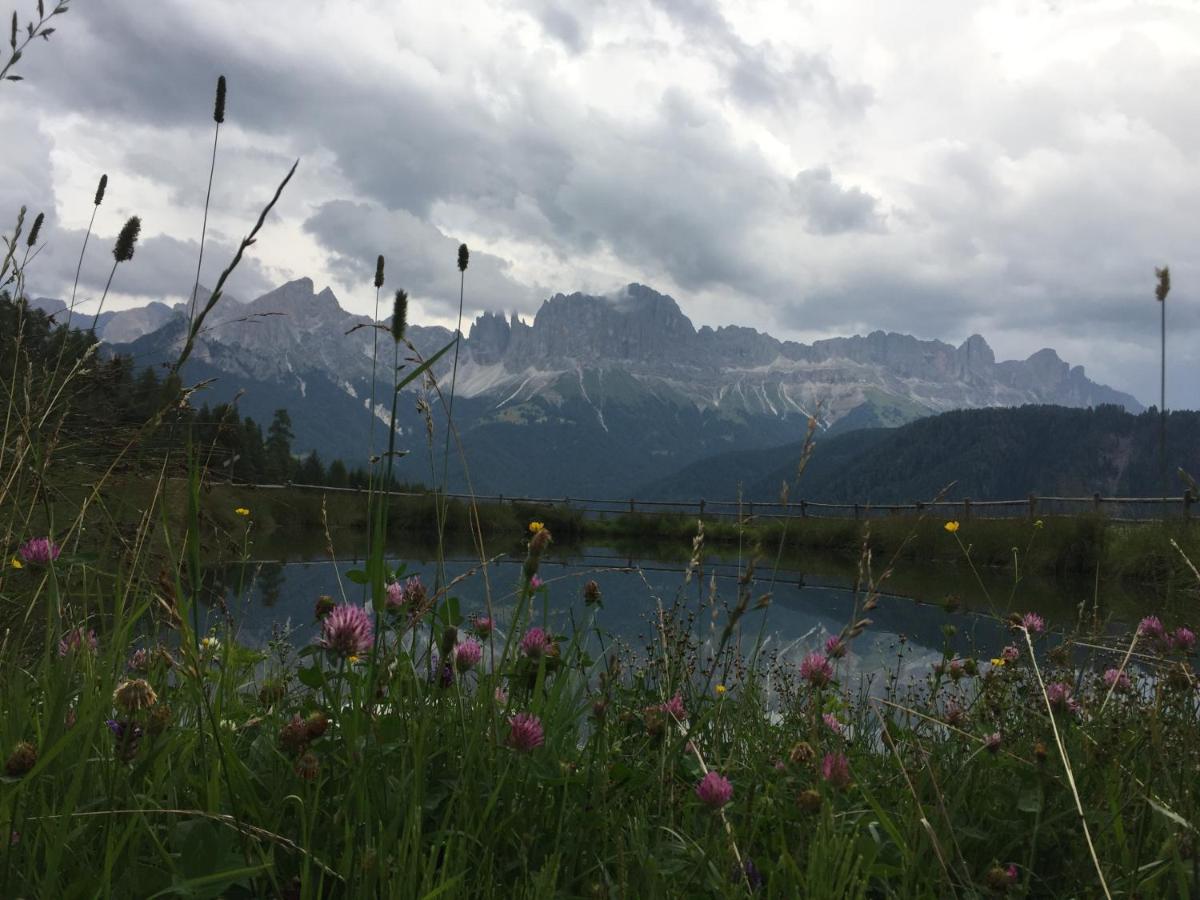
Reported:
(1012, 168)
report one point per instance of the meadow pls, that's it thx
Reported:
(421, 749)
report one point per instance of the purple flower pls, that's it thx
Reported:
(1152, 627)
(410, 593)
(1183, 639)
(1033, 623)
(753, 877)
(835, 768)
(1117, 680)
(141, 661)
(1010, 653)
(39, 551)
(675, 708)
(1059, 695)
(482, 625)
(835, 647)
(525, 732)
(991, 743)
(714, 790)
(347, 631)
(76, 639)
(535, 583)
(467, 655)
(832, 723)
(536, 643)
(816, 670)
(956, 669)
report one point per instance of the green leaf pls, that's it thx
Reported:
(1030, 799)
(311, 677)
(358, 576)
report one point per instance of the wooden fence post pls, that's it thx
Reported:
(804, 509)
(1096, 502)
(1033, 505)
(702, 507)
(966, 509)
(631, 506)
(751, 509)
(855, 510)
(1188, 500)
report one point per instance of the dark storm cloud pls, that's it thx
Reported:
(830, 208)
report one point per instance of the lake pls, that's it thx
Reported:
(812, 597)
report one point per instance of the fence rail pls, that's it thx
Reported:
(1033, 507)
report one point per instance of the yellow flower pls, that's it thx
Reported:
(353, 660)
(1038, 524)
(17, 564)
(999, 661)
(535, 527)
(720, 689)
(951, 527)
(241, 511)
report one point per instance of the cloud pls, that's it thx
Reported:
(831, 209)
(811, 169)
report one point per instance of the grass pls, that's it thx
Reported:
(421, 749)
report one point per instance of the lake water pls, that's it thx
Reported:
(811, 598)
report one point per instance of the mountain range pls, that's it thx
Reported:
(596, 396)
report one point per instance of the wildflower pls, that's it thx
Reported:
(442, 672)
(141, 661)
(1116, 680)
(835, 768)
(410, 593)
(536, 643)
(816, 670)
(399, 316)
(294, 735)
(750, 874)
(599, 709)
(1010, 653)
(1001, 879)
(307, 767)
(1059, 695)
(467, 655)
(126, 239)
(135, 695)
(991, 743)
(1033, 623)
(956, 669)
(482, 625)
(219, 103)
(535, 527)
(714, 790)
(39, 551)
(675, 708)
(324, 607)
(951, 527)
(801, 754)
(316, 725)
(158, 720)
(35, 230)
(835, 647)
(1151, 627)
(720, 690)
(501, 696)
(591, 593)
(241, 511)
(464, 256)
(536, 583)
(1183, 639)
(809, 800)
(540, 541)
(525, 732)
(77, 639)
(100, 188)
(16, 563)
(1039, 751)
(955, 715)
(1039, 524)
(999, 662)
(832, 723)
(21, 760)
(128, 737)
(210, 646)
(379, 271)
(347, 631)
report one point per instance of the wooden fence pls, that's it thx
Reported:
(1033, 507)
